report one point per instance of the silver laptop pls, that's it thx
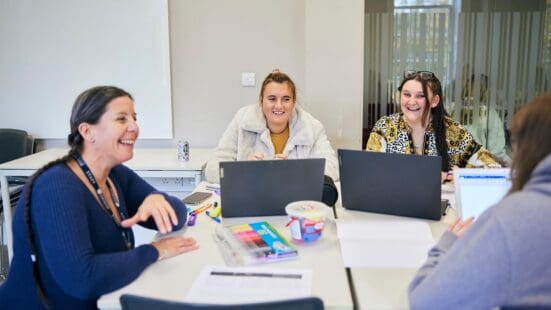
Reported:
(389, 183)
(265, 187)
(478, 189)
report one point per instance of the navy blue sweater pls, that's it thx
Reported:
(81, 252)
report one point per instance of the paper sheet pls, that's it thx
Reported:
(384, 243)
(237, 285)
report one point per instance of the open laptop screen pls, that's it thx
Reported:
(265, 187)
(390, 183)
(478, 189)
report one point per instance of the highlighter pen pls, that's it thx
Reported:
(201, 209)
(216, 211)
(191, 220)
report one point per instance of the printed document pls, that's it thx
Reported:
(238, 285)
(384, 243)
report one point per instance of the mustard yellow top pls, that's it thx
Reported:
(279, 140)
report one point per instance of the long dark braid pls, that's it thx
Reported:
(28, 223)
(437, 121)
(88, 108)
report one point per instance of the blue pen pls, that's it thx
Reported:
(216, 219)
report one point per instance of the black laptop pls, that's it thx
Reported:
(397, 184)
(265, 187)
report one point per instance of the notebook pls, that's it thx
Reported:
(389, 183)
(477, 189)
(265, 187)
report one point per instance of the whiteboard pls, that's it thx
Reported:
(51, 51)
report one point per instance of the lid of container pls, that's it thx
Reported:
(307, 209)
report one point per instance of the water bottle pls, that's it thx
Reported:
(183, 150)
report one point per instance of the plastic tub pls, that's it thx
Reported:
(306, 219)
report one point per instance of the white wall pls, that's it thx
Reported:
(334, 68)
(53, 50)
(319, 43)
(212, 43)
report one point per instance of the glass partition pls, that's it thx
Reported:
(491, 57)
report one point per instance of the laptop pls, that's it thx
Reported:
(477, 189)
(265, 187)
(389, 183)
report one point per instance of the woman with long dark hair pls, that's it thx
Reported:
(73, 240)
(424, 128)
(503, 258)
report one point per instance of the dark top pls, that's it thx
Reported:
(81, 252)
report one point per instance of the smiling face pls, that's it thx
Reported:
(413, 103)
(277, 105)
(116, 131)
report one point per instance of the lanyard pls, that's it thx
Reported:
(103, 202)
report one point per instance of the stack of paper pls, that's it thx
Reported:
(384, 243)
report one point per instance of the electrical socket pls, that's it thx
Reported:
(172, 184)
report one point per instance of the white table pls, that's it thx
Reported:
(376, 288)
(172, 278)
(147, 163)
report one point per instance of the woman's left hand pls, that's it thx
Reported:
(156, 206)
(448, 176)
(459, 227)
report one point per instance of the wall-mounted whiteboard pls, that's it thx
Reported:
(50, 51)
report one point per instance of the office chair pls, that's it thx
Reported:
(14, 143)
(133, 302)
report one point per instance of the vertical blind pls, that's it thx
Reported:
(489, 63)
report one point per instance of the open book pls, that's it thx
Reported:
(253, 243)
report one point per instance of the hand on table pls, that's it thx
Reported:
(448, 176)
(459, 227)
(172, 246)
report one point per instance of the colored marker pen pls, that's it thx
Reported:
(216, 219)
(191, 219)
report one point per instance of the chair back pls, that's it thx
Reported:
(14, 143)
(133, 302)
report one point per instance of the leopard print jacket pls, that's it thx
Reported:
(392, 134)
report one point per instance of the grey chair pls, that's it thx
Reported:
(133, 302)
(14, 143)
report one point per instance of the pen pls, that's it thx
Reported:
(191, 220)
(216, 219)
(215, 212)
(201, 209)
